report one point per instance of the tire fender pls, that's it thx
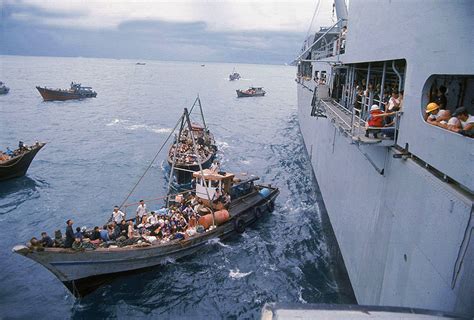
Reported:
(239, 225)
(257, 212)
(270, 205)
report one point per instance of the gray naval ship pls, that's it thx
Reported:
(398, 192)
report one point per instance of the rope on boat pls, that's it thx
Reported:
(151, 163)
(156, 199)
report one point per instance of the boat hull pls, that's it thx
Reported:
(4, 90)
(185, 177)
(62, 95)
(80, 270)
(242, 94)
(18, 166)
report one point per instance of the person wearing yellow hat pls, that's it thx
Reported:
(434, 115)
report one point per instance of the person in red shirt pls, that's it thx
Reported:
(375, 120)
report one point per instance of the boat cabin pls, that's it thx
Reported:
(209, 181)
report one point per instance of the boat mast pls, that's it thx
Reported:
(177, 139)
(186, 114)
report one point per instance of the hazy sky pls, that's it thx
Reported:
(261, 31)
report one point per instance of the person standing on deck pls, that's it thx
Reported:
(141, 211)
(117, 215)
(69, 234)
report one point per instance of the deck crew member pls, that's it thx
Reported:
(117, 215)
(141, 211)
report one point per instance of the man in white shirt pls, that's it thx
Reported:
(141, 211)
(117, 215)
(152, 219)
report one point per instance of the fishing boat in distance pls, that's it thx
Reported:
(140, 63)
(251, 92)
(188, 160)
(76, 91)
(234, 76)
(3, 88)
(15, 163)
(225, 205)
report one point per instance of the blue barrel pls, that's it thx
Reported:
(265, 192)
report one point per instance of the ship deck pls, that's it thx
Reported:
(352, 125)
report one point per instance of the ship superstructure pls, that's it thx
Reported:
(399, 195)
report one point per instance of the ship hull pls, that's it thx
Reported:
(62, 95)
(82, 272)
(18, 166)
(398, 248)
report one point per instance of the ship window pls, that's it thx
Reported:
(447, 101)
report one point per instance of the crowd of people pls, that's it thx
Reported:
(185, 153)
(438, 114)
(179, 221)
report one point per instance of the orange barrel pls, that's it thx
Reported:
(220, 217)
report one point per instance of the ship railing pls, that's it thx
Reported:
(321, 37)
(352, 122)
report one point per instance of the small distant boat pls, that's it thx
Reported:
(3, 88)
(17, 163)
(234, 76)
(251, 92)
(203, 65)
(77, 91)
(140, 63)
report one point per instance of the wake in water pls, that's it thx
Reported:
(129, 125)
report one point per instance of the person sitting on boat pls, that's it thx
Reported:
(4, 157)
(114, 231)
(117, 215)
(35, 245)
(141, 211)
(152, 220)
(77, 244)
(130, 230)
(123, 226)
(9, 152)
(95, 236)
(78, 233)
(69, 234)
(104, 234)
(46, 240)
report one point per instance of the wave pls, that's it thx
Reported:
(236, 274)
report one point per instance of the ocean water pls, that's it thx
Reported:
(98, 148)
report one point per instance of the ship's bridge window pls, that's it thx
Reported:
(448, 102)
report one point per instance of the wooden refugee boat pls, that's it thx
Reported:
(251, 92)
(186, 159)
(77, 91)
(82, 271)
(19, 163)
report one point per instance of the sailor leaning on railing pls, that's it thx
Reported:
(460, 121)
